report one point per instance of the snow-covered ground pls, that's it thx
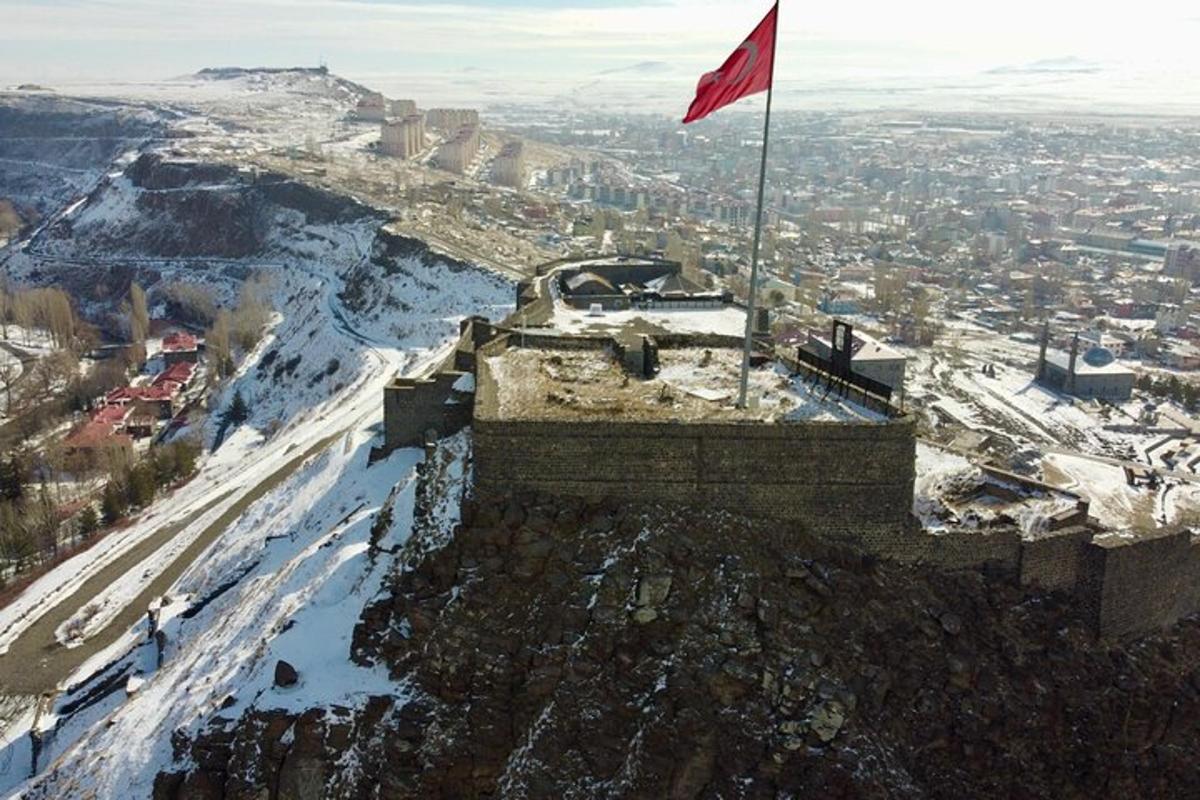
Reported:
(304, 572)
(713, 375)
(32, 340)
(1112, 501)
(277, 517)
(692, 384)
(726, 320)
(946, 495)
(332, 495)
(1072, 443)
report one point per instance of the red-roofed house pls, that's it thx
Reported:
(92, 436)
(143, 420)
(161, 397)
(180, 347)
(111, 415)
(179, 373)
(122, 395)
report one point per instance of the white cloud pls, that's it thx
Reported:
(155, 38)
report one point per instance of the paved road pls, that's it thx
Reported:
(37, 663)
(24, 356)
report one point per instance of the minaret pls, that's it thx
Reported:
(1041, 364)
(1070, 384)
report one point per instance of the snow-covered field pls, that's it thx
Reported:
(1072, 443)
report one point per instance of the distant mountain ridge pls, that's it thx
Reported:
(640, 68)
(1066, 65)
(225, 73)
(306, 80)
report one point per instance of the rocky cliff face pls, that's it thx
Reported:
(52, 149)
(555, 649)
(159, 208)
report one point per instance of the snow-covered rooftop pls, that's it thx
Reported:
(1083, 367)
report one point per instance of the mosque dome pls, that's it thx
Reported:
(1098, 356)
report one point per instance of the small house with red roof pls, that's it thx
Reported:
(180, 373)
(94, 436)
(180, 347)
(115, 416)
(143, 420)
(162, 397)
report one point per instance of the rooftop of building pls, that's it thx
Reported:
(726, 320)
(694, 383)
(863, 347)
(93, 434)
(1083, 366)
(654, 297)
(179, 372)
(179, 342)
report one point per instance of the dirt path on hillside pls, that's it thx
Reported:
(36, 663)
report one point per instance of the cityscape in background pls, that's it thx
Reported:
(415, 427)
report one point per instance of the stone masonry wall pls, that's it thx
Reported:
(957, 551)
(850, 483)
(1132, 586)
(412, 406)
(1054, 562)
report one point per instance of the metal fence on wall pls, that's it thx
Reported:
(860, 389)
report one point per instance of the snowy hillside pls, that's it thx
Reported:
(54, 149)
(302, 571)
(266, 550)
(272, 521)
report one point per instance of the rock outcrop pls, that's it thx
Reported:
(557, 649)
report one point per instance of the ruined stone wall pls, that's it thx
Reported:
(413, 406)
(851, 483)
(1125, 586)
(1131, 586)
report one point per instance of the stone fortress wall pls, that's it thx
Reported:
(851, 484)
(1125, 585)
(846, 482)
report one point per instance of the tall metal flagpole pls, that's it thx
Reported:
(762, 178)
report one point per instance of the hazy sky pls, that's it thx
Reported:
(60, 40)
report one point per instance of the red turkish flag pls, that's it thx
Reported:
(747, 71)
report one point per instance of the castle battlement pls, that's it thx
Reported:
(576, 416)
(635, 409)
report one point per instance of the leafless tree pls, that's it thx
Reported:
(10, 371)
(139, 314)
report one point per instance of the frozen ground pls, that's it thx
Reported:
(303, 570)
(950, 493)
(1076, 444)
(279, 532)
(728, 321)
(264, 551)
